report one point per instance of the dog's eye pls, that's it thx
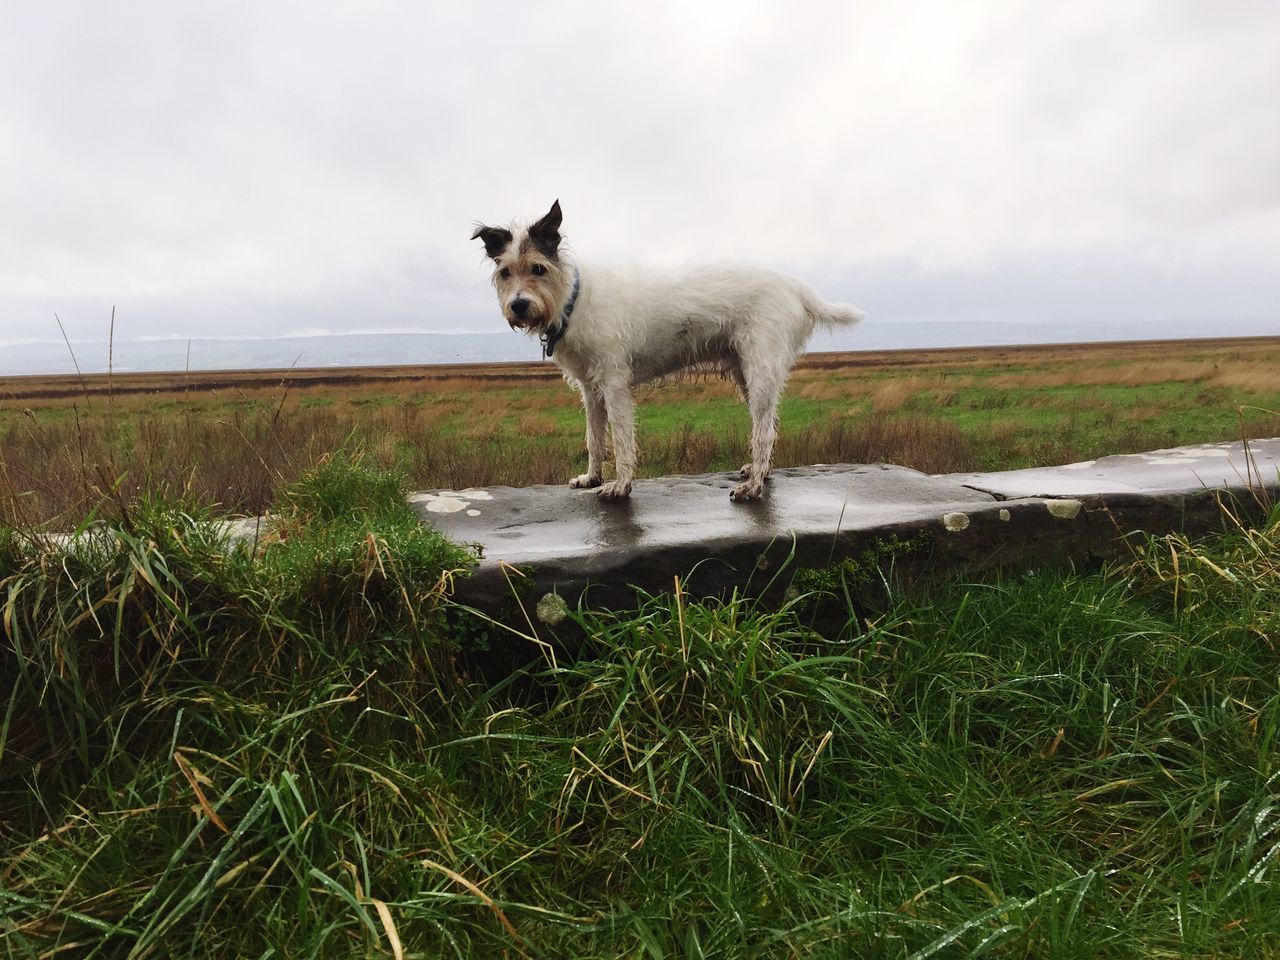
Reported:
(504, 273)
(538, 269)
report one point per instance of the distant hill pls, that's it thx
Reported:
(347, 350)
(378, 349)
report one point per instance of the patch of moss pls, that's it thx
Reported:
(861, 568)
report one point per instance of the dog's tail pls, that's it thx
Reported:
(832, 314)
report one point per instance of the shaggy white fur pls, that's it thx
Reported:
(626, 328)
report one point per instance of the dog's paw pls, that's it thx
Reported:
(744, 472)
(585, 482)
(613, 490)
(750, 490)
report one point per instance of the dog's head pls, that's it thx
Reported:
(532, 281)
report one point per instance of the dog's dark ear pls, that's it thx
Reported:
(545, 234)
(496, 239)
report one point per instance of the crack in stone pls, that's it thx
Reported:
(998, 497)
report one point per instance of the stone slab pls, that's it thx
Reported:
(519, 525)
(541, 542)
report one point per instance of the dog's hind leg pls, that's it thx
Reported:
(596, 451)
(621, 408)
(763, 391)
(735, 371)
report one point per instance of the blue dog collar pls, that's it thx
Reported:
(549, 340)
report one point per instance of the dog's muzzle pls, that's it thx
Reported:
(520, 315)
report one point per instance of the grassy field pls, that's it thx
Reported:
(208, 753)
(68, 446)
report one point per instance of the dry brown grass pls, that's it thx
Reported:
(1139, 374)
(889, 395)
(1254, 377)
(536, 425)
(920, 442)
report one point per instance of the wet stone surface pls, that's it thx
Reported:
(520, 525)
(541, 547)
(551, 539)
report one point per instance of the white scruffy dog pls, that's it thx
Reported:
(611, 330)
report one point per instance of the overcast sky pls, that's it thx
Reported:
(234, 169)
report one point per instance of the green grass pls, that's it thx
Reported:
(283, 752)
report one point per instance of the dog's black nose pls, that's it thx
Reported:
(519, 306)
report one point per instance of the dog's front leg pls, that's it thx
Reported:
(621, 409)
(596, 420)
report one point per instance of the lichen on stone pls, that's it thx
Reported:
(1064, 509)
(552, 609)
